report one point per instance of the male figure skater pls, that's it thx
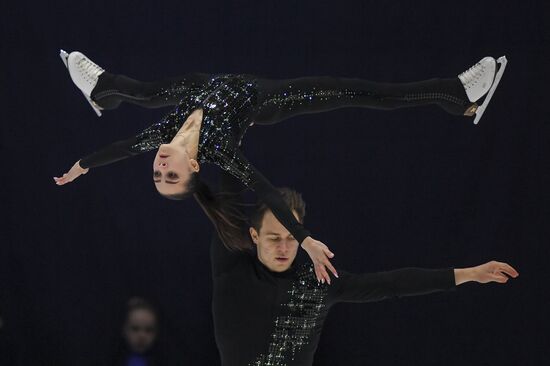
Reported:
(269, 311)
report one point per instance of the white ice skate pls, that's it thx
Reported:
(84, 74)
(480, 80)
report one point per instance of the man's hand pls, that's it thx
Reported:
(319, 254)
(75, 172)
(489, 272)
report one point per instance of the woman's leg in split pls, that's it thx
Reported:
(282, 99)
(112, 89)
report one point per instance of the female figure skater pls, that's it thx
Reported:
(213, 112)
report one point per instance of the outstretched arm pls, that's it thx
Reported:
(149, 139)
(117, 151)
(414, 281)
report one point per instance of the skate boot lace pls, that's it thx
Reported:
(472, 76)
(89, 70)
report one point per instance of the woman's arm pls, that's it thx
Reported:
(267, 193)
(117, 151)
(149, 139)
(112, 153)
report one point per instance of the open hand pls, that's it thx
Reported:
(319, 254)
(75, 172)
(493, 272)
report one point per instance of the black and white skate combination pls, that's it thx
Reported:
(482, 80)
(479, 81)
(84, 74)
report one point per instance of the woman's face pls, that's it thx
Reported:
(172, 168)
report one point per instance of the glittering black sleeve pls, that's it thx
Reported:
(149, 139)
(272, 198)
(111, 153)
(370, 287)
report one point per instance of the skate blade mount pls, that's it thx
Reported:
(65, 58)
(479, 112)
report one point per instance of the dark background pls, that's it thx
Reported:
(413, 187)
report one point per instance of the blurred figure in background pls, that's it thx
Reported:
(139, 332)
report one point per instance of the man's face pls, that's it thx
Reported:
(276, 247)
(140, 330)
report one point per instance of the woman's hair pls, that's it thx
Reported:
(188, 190)
(226, 213)
(222, 209)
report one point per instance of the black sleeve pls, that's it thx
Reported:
(221, 258)
(109, 154)
(149, 139)
(272, 198)
(379, 286)
(197, 78)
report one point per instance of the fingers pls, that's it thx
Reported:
(324, 274)
(320, 255)
(328, 253)
(500, 278)
(61, 181)
(503, 269)
(331, 268)
(508, 269)
(327, 263)
(321, 273)
(317, 273)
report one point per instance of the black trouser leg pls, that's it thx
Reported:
(111, 90)
(282, 99)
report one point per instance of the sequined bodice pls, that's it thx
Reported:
(227, 102)
(227, 111)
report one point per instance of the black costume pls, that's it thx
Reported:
(264, 318)
(231, 103)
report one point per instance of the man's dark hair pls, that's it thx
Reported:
(293, 200)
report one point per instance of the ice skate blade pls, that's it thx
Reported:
(481, 109)
(94, 106)
(65, 57)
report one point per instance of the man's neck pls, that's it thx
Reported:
(275, 272)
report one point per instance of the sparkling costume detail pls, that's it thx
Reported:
(293, 329)
(265, 318)
(230, 103)
(226, 102)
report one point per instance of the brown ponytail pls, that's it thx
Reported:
(225, 213)
(222, 210)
